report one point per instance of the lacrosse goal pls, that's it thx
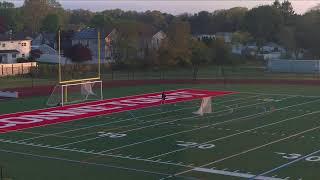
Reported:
(64, 94)
(205, 107)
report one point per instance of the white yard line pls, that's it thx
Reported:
(81, 162)
(234, 174)
(250, 150)
(103, 124)
(93, 153)
(168, 116)
(201, 127)
(128, 119)
(235, 134)
(195, 129)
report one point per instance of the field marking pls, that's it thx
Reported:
(167, 117)
(128, 119)
(235, 174)
(34, 133)
(190, 130)
(95, 153)
(287, 164)
(175, 120)
(97, 125)
(278, 94)
(201, 127)
(235, 134)
(80, 162)
(249, 150)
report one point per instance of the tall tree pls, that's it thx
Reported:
(307, 32)
(50, 23)
(34, 11)
(263, 22)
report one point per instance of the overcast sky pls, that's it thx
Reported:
(173, 6)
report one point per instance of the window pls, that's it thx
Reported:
(23, 55)
(3, 45)
(14, 56)
(23, 44)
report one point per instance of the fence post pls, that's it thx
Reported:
(12, 69)
(2, 73)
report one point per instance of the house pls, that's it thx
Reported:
(45, 38)
(89, 37)
(157, 39)
(226, 36)
(272, 47)
(202, 37)
(271, 51)
(12, 48)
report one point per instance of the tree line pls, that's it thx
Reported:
(277, 23)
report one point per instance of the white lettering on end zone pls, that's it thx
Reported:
(18, 121)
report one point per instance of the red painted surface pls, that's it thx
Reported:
(42, 117)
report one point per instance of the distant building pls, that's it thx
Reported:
(89, 38)
(226, 36)
(202, 37)
(272, 47)
(12, 48)
(44, 38)
(157, 39)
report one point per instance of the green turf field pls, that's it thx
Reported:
(253, 132)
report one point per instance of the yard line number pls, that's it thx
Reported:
(195, 145)
(293, 156)
(111, 134)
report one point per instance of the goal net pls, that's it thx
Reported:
(205, 107)
(64, 94)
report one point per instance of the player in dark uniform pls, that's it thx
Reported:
(163, 97)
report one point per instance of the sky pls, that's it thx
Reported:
(174, 6)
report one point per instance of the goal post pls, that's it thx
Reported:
(75, 93)
(205, 107)
(77, 85)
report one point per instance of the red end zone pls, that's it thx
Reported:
(42, 117)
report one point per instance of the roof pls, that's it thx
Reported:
(8, 51)
(90, 33)
(5, 37)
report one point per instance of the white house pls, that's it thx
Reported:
(11, 49)
(157, 39)
(205, 36)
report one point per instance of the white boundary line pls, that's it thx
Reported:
(155, 161)
(90, 152)
(234, 174)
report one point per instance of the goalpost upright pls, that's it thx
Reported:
(65, 83)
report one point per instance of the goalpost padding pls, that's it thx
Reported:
(75, 93)
(43, 117)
